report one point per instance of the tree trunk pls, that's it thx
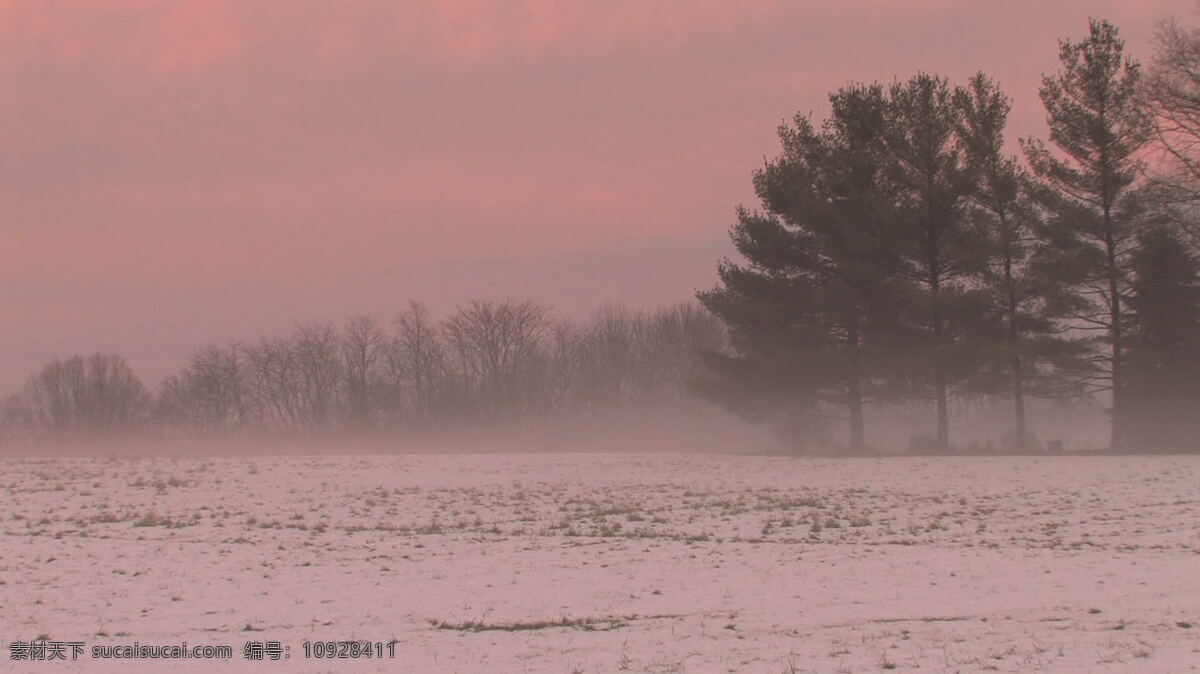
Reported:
(1019, 401)
(943, 410)
(939, 370)
(854, 396)
(1117, 429)
(1117, 439)
(1018, 379)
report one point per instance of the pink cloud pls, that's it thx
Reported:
(178, 38)
(228, 166)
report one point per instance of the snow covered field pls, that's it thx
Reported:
(610, 563)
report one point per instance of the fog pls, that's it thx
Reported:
(495, 377)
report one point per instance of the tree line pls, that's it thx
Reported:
(901, 252)
(488, 362)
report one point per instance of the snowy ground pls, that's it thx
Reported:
(609, 563)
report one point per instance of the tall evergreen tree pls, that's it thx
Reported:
(1034, 357)
(940, 249)
(1098, 125)
(1163, 382)
(818, 260)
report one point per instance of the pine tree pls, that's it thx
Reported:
(940, 248)
(1034, 357)
(1098, 125)
(819, 262)
(1163, 366)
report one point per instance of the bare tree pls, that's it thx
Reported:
(99, 393)
(210, 394)
(316, 352)
(612, 350)
(416, 359)
(496, 345)
(1172, 91)
(568, 380)
(362, 348)
(670, 342)
(275, 383)
(504, 361)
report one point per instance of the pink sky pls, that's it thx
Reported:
(180, 172)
